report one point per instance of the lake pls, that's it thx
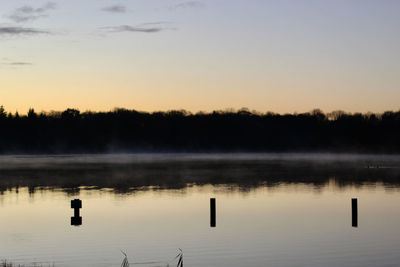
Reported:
(271, 210)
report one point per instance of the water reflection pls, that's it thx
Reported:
(160, 205)
(129, 175)
(284, 225)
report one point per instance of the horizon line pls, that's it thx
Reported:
(189, 112)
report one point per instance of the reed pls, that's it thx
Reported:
(178, 257)
(125, 262)
(5, 263)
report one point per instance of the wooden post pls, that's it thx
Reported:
(354, 212)
(76, 204)
(212, 213)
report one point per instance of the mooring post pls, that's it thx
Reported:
(212, 212)
(76, 204)
(354, 212)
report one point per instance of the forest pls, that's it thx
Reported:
(130, 131)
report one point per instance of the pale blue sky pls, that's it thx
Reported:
(283, 56)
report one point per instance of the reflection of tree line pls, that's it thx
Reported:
(234, 175)
(127, 130)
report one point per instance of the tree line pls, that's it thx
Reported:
(125, 131)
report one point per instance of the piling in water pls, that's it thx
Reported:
(212, 213)
(76, 204)
(354, 212)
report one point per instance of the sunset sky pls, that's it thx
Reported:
(281, 56)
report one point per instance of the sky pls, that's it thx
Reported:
(283, 56)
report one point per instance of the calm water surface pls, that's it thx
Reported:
(302, 218)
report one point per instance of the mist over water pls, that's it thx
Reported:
(128, 172)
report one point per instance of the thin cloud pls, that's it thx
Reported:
(127, 28)
(8, 62)
(155, 23)
(115, 9)
(18, 63)
(29, 13)
(150, 27)
(187, 5)
(12, 31)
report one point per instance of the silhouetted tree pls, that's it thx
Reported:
(32, 114)
(3, 113)
(123, 130)
(70, 114)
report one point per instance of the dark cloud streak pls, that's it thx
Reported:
(21, 31)
(127, 28)
(150, 27)
(29, 13)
